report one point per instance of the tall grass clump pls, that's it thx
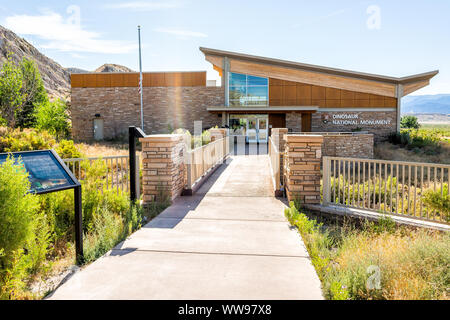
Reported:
(406, 263)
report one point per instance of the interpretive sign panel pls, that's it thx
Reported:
(47, 172)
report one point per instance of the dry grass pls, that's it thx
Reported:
(389, 151)
(98, 149)
(412, 264)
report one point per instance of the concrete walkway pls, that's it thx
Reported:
(229, 241)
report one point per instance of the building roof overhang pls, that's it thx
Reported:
(361, 80)
(263, 109)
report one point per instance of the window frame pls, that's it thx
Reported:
(248, 102)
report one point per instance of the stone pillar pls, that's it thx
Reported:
(163, 166)
(302, 160)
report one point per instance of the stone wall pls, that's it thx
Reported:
(294, 121)
(348, 146)
(302, 168)
(380, 123)
(164, 108)
(163, 167)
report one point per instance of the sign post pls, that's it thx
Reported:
(133, 133)
(47, 173)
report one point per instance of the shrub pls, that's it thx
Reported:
(15, 140)
(23, 241)
(439, 201)
(409, 122)
(53, 117)
(66, 150)
(423, 140)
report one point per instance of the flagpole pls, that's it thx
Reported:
(140, 79)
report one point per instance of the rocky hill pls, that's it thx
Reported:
(107, 67)
(56, 78)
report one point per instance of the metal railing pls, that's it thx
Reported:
(274, 155)
(203, 159)
(389, 187)
(117, 170)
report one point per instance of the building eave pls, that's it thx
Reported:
(320, 69)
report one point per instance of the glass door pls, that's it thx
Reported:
(262, 130)
(252, 126)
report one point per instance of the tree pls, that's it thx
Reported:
(33, 92)
(409, 122)
(11, 96)
(53, 117)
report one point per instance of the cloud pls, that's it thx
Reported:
(144, 5)
(65, 36)
(182, 33)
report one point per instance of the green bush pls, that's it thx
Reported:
(409, 122)
(23, 232)
(422, 140)
(53, 117)
(15, 140)
(66, 150)
(439, 201)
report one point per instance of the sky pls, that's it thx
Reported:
(394, 38)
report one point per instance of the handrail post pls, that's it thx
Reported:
(326, 180)
(134, 133)
(138, 177)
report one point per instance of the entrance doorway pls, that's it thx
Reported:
(255, 127)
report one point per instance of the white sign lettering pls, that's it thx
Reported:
(352, 119)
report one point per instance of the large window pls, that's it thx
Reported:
(248, 90)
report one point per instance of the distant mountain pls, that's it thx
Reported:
(76, 70)
(56, 79)
(439, 103)
(108, 67)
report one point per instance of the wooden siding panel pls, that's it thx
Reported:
(390, 102)
(313, 78)
(347, 103)
(347, 95)
(318, 93)
(103, 80)
(117, 80)
(77, 80)
(283, 93)
(319, 102)
(304, 91)
(156, 79)
(362, 103)
(290, 92)
(333, 94)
